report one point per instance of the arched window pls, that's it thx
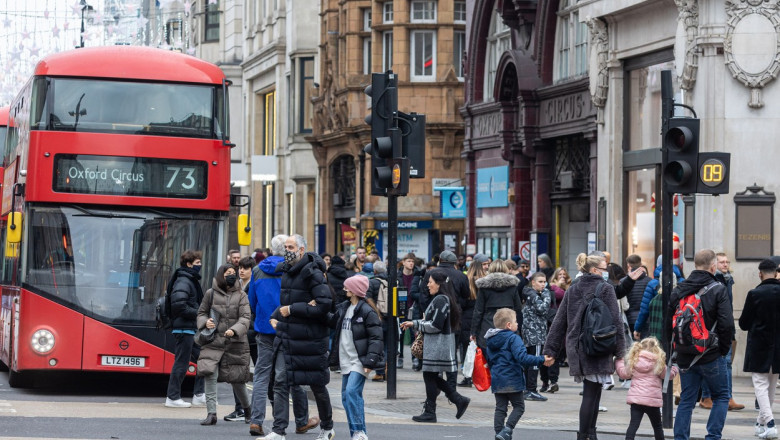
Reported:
(498, 42)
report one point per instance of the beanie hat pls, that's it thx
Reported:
(368, 267)
(357, 284)
(480, 258)
(448, 257)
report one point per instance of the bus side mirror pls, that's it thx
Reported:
(244, 230)
(14, 229)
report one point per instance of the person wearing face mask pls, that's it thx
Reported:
(186, 294)
(591, 371)
(226, 359)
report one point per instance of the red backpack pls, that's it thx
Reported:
(690, 335)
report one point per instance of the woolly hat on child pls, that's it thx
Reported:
(357, 284)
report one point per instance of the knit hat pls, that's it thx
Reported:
(368, 267)
(448, 257)
(480, 258)
(357, 284)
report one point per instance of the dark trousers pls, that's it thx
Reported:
(186, 351)
(435, 384)
(653, 413)
(531, 373)
(550, 374)
(282, 399)
(502, 403)
(589, 408)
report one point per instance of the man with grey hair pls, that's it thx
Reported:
(301, 345)
(264, 290)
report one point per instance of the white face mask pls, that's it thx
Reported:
(605, 275)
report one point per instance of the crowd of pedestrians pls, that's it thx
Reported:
(298, 316)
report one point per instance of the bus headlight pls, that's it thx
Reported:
(42, 341)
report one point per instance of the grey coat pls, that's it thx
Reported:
(535, 310)
(439, 340)
(567, 326)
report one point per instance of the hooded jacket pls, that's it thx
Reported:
(507, 358)
(264, 293)
(494, 291)
(186, 296)
(646, 387)
(761, 318)
(535, 311)
(337, 274)
(302, 337)
(716, 307)
(650, 291)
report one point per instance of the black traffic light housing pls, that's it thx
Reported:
(713, 173)
(384, 106)
(413, 128)
(681, 165)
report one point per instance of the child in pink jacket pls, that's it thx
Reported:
(645, 365)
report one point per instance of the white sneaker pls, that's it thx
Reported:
(272, 436)
(769, 433)
(759, 429)
(178, 403)
(199, 400)
(360, 435)
(326, 434)
(602, 409)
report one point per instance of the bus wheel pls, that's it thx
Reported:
(19, 380)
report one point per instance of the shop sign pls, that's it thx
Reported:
(493, 187)
(414, 241)
(566, 108)
(486, 125)
(425, 224)
(453, 203)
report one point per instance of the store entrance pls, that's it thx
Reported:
(572, 221)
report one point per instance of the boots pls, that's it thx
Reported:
(429, 413)
(592, 435)
(211, 419)
(582, 436)
(461, 403)
(504, 434)
(247, 415)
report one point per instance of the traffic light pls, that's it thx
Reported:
(413, 127)
(713, 173)
(384, 106)
(681, 142)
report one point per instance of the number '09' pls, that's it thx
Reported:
(712, 172)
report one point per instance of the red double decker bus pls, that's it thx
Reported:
(116, 160)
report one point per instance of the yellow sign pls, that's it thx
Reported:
(712, 172)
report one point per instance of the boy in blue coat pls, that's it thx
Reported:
(506, 358)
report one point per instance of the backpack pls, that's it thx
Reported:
(381, 297)
(598, 336)
(689, 332)
(162, 312)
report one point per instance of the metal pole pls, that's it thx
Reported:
(392, 275)
(667, 111)
(82, 26)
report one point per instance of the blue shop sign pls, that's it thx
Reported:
(453, 202)
(493, 187)
(403, 224)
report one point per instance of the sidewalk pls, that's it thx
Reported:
(560, 412)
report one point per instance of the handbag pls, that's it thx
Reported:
(417, 346)
(481, 374)
(206, 336)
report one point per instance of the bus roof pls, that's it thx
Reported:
(4, 116)
(130, 62)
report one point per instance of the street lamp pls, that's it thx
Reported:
(84, 7)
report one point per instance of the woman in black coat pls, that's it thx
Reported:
(496, 290)
(337, 274)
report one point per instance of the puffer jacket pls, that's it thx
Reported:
(367, 335)
(494, 291)
(507, 358)
(230, 355)
(646, 387)
(535, 311)
(186, 296)
(635, 297)
(337, 274)
(303, 335)
(651, 289)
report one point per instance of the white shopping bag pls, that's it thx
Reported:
(468, 363)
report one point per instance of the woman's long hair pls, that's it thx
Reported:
(440, 277)
(566, 282)
(586, 262)
(219, 277)
(651, 345)
(474, 273)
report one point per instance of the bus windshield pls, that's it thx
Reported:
(156, 109)
(3, 132)
(113, 265)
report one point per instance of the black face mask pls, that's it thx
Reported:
(230, 280)
(196, 268)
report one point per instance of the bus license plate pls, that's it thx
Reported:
(123, 361)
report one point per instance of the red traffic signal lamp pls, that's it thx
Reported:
(681, 155)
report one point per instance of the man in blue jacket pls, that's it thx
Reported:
(264, 290)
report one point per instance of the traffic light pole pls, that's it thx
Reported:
(392, 276)
(667, 231)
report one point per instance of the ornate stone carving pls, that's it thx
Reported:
(689, 25)
(752, 44)
(599, 56)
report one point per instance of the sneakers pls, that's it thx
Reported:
(536, 397)
(199, 400)
(466, 382)
(235, 416)
(273, 436)
(505, 434)
(360, 435)
(312, 423)
(178, 403)
(553, 387)
(399, 364)
(544, 388)
(326, 434)
(759, 429)
(769, 432)
(603, 409)
(608, 386)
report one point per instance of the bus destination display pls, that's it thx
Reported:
(130, 176)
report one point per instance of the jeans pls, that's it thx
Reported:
(239, 389)
(653, 413)
(186, 351)
(502, 403)
(263, 367)
(765, 385)
(282, 396)
(352, 399)
(705, 390)
(714, 375)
